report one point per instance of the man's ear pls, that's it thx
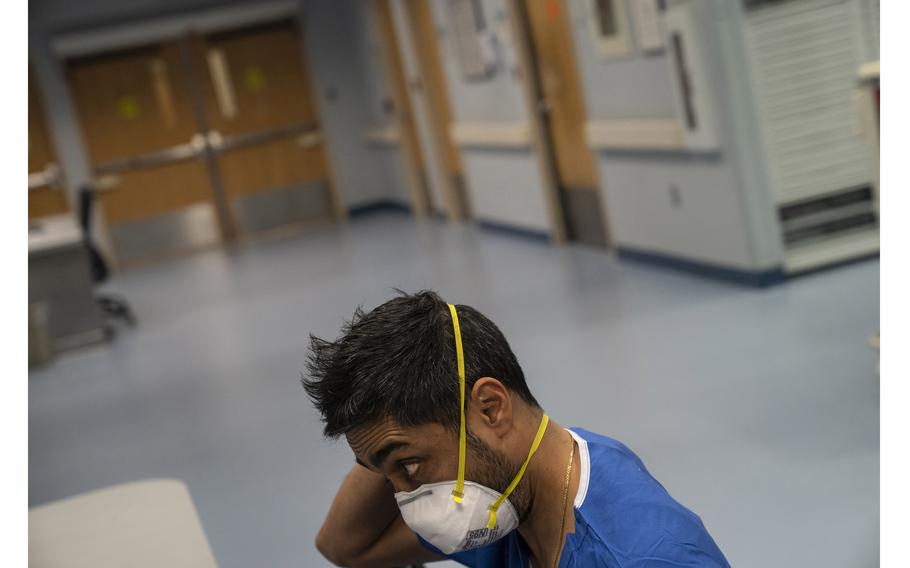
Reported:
(490, 406)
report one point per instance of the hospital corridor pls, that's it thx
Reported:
(761, 407)
(491, 283)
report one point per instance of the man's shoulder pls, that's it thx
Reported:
(623, 502)
(604, 451)
(616, 473)
(614, 484)
(599, 439)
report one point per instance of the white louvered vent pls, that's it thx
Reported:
(805, 55)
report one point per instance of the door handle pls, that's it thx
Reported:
(543, 106)
(214, 139)
(309, 139)
(220, 74)
(106, 183)
(45, 178)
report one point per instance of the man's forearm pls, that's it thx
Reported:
(363, 509)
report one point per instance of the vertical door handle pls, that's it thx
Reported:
(164, 95)
(222, 83)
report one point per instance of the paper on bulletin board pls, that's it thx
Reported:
(473, 40)
(609, 26)
(649, 29)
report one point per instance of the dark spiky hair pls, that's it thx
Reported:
(398, 361)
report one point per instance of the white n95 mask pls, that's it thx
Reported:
(461, 515)
(451, 527)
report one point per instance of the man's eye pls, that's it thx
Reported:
(411, 468)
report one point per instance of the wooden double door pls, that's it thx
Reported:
(203, 139)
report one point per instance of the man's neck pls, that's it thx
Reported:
(546, 477)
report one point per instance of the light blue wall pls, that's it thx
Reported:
(631, 87)
(377, 93)
(343, 65)
(717, 221)
(504, 186)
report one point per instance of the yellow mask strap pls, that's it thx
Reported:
(458, 492)
(495, 506)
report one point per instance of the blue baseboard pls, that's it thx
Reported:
(501, 228)
(833, 265)
(753, 278)
(378, 206)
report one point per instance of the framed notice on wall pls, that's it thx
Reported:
(648, 24)
(473, 39)
(610, 27)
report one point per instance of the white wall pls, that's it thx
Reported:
(504, 186)
(715, 221)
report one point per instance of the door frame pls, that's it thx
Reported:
(409, 147)
(540, 139)
(123, 35)
(542, 135)
(424, 108)
(544, 113)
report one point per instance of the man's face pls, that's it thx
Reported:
(416, 455)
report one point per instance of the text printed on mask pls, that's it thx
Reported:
(479, 537)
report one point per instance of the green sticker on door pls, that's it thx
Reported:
(254, 79)
(127, 107)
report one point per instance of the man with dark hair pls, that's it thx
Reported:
(456, 459)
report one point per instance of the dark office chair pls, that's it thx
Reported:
(112, 306)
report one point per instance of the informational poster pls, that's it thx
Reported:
(609, 25)
(472, 38)
(649, 29)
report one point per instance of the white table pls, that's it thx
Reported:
(51, 233)
(144, 524)
(59, 277)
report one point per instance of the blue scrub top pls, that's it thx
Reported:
(624, 518)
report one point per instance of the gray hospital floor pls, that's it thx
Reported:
(758, 409)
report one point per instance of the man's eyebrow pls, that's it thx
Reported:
(382, 454)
